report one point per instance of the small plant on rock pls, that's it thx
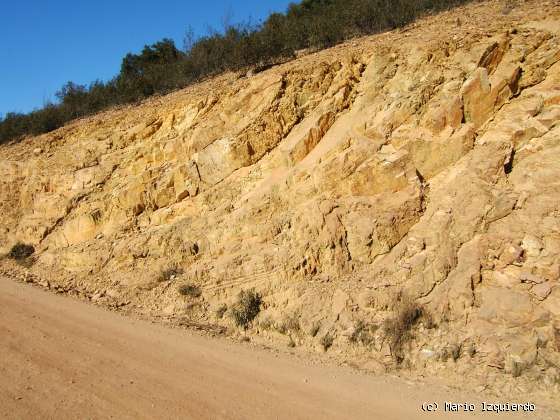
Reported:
(221, 310)
(21, 251)
(291, 343)
(398, 328)
(363, 333)
(314, 329)
(170, 273)
(266, 323)
(508, 6)
(327, 341)
(190, 290)
(452, 351)
(290, 324)
(428, 321)
(246, 308)
(455, 351)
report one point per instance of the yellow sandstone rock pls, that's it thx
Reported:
(414, 166)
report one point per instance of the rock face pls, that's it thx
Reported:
(419, 167)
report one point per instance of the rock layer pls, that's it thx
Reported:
(419, 167)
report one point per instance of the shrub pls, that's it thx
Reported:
(246, 308)
(290, 324)
(21, 251)
(327, 341)
(451, 351)
(96, 216)
(221, 310)
(314, 329)
(266, 323)
(363, 333)
(170, 273)
(190, 290)
(398, 328)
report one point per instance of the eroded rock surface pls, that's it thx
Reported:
(421, 165)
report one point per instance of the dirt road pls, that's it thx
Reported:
(61, 358)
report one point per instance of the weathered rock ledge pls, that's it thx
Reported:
(408, 176)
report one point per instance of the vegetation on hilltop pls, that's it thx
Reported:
(162, 67)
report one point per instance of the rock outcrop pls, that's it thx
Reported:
(405, 183)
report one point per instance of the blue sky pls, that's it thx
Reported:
(44, 44)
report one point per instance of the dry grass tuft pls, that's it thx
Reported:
(398, 329)
(246, 308)
(327, 341)
(221, 310)
(363, 333)
(290, 324)
(314, 330)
